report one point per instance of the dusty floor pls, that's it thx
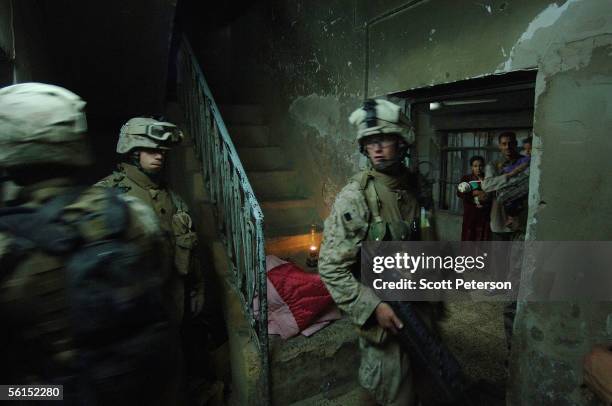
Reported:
(474, 333)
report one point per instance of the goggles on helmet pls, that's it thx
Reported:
(166, 132)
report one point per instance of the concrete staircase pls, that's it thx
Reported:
(288, 212)
(303, 370)
(321, 369)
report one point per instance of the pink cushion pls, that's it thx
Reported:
(303, 292)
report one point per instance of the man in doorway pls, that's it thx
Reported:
(499, 178)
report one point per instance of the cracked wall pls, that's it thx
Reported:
(318, 54)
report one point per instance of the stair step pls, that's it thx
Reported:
(275, 185)
(287, 204)
(263, 158)
(244, 135)
(249, 91)
(243, 114)
(289, 217)
(302, 367)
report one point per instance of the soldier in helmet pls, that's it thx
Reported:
(79, 266)
(143, 145)
(380, 203)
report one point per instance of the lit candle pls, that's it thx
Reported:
(313, 256)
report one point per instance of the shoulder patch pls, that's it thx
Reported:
(350, 210)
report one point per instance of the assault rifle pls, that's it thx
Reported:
(427, 353)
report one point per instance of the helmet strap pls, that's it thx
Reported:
(134, 159)
(392, 166)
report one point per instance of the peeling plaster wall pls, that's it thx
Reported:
(452, 40)
(328, 142)
(318, 55)
(572, 122)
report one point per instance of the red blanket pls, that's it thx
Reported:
(303, 292)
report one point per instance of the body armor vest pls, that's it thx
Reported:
(394, 213)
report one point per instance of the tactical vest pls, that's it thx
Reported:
(394, 214)
(174, 218)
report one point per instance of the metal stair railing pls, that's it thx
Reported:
(238, 214)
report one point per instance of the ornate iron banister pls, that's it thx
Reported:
(237, 212)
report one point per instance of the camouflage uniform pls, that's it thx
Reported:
(373, 206)
(171, 210)
(175, 223)
(42, 126)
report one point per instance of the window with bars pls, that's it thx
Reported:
(457, 149)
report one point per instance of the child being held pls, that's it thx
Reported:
(513, 196)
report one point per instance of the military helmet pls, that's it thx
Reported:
(42, 124)
(143, 132)
(381, 117)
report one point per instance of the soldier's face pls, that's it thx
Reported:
(381, 148)
(152, 160)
